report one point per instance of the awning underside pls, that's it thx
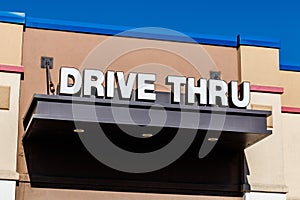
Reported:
(57, 158)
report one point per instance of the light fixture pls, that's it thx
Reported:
(78, 130)
(147, 135)
(212, 139)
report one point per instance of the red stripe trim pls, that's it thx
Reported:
(286, 109)
(12, 69)
(267, 89)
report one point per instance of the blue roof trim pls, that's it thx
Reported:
(259, 41)
(62, 25)
(185, 37)
(290, 67)
(230, 41)
(12, 17)
(81, 27)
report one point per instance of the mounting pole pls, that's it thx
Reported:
(47, 63)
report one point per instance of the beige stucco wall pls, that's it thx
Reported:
(291, 138)
(266, 158)
(11, 38)
(291, 82)
(71, 49)
(260, 66)
(272, 162)
(9, 129)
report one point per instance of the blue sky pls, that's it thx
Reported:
(274, 19)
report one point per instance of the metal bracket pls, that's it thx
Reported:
(46, 61)
(215, 75)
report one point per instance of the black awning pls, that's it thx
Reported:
(57, 158)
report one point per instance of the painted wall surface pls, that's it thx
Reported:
(71, 49)
(260, 66)
(264, 196)
(271, 162)
(266, 158)
(9, 129)
(290, 81)
(7, 190)
(291, 138)
(25, 192)
(11, 36)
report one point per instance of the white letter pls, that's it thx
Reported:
(217, 88)
(65, 74)
(93, 78)
(145, 82)
(200, 90)
(110, 84)
(244, 94)
(125, 90)
(176, 82)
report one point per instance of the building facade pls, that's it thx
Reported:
(42, 166)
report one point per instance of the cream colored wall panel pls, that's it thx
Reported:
(7, 190)
(259, 65)
(264, 196)
(291, 82)
(291, 157)
(11, 39)
(9, 127)
(265, 158)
